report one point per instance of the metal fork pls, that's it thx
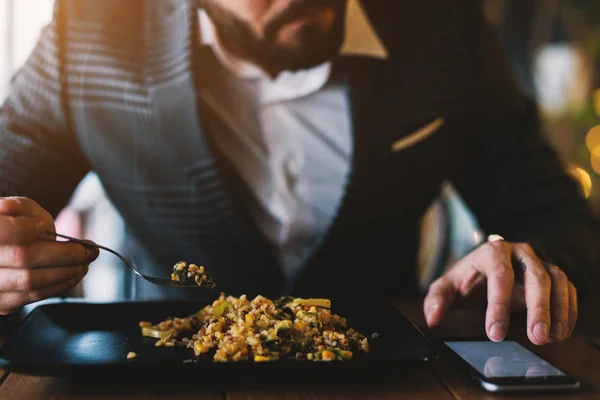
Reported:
(156, 281)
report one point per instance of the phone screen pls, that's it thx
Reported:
(506, 359)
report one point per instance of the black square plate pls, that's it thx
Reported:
(73, 338)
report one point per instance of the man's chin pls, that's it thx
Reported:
(306, 49)
(295, 60)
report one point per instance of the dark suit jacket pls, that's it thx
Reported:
(116, 87)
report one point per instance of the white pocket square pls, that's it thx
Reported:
(418, 135)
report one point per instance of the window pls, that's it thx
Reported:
(20, 24)
(89, 213)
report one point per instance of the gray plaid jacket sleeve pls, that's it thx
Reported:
(39, 154)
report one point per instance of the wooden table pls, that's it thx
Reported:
(437, 380)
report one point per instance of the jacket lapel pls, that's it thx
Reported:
(389, 103)
(170, 79)
(372, 125)
(173, 66)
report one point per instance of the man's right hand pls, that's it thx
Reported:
(33, 266)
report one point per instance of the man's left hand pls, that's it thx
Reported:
(515, 278)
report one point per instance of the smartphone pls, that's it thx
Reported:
(508, 366)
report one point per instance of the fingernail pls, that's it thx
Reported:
(40, 230)
(557, 330)
(497, 332)
(540, 331)
(92, 252)
(432, 309)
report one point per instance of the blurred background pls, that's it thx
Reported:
(553, 45)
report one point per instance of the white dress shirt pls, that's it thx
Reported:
(289, 138)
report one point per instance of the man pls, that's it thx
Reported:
(290, 146)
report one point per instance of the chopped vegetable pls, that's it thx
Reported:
(282, 326)
(325, 303)
(240, 329)
(310, 314)
(282, 301)
(327, 355)
(191, 274)
(157, 334)
(343, 354)
(131, 355)
(220, 309)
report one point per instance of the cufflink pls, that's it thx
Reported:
(494, 238)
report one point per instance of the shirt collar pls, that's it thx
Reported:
(360, 39)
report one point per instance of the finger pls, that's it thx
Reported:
(535, 371)
(22, 220)
(559, 303)
(439, 299)
(28, 280)
(46, 223)
(518, 297)
(537, 284)
(11, 301)
(19, 206)
(573, 308)
(18, 230)
(46, 253)
(497, 267)
(494, 367)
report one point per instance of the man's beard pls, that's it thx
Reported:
(313, 45)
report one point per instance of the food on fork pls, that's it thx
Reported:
(239, 329)
(190, 274)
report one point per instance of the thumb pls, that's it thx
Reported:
(92, 251)
(439, 299)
